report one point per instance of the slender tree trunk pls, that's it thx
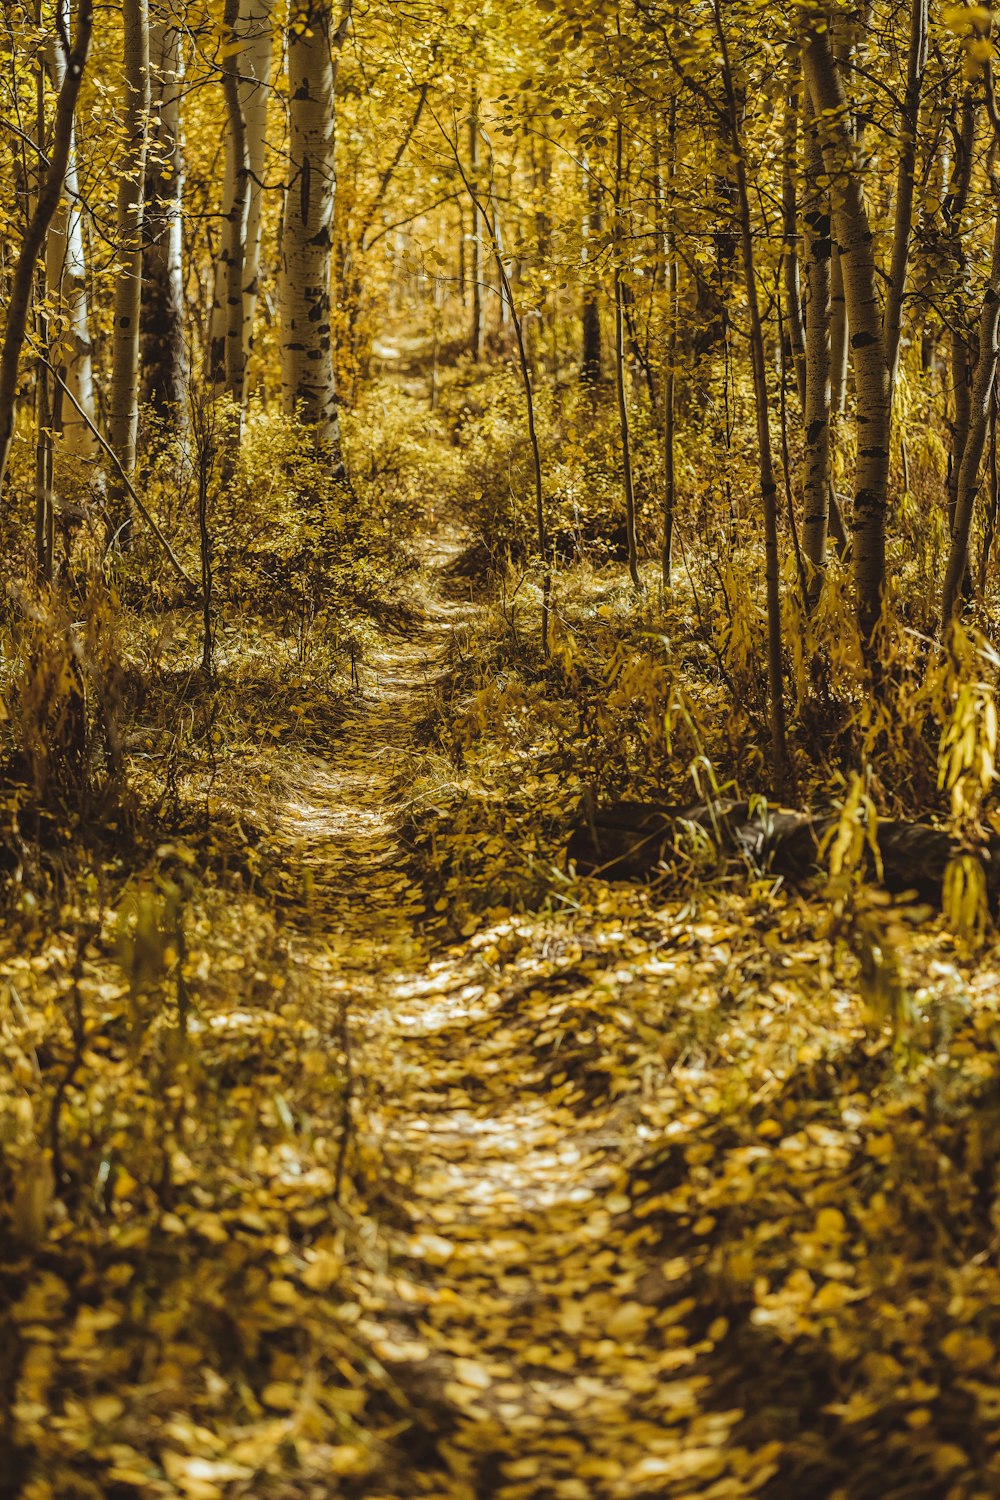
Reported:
(225, 346)
(990, 527)
(257, 26)
(839, 332)
(790, 225)
(215, 372)
(982, 399)
(246, 75)
(525, 372)
(768, 484)
(623, 420)
(953, 213)
(818, 473)
(510, 267)
(162, 323)
(853, 234)
(590, 367)
(44, 498)
(961, 386)
(541, 174)
(307, 376)
(670, 374)
(234, 230)
(477, 330)
(66, 286)
(123, 404)
(19, 298)
(845, 24)
(905, 181)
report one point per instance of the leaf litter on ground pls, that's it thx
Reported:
(346, 1183)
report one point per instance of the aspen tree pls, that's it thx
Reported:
(307, 375)
(670, 372)
(818, 412)
(905, 184)
(845, 27)
(476, 269)
(255, 61)
(246, 73)
(162, 325)
(730, 119)
(790, 225)
(981, 401)
(234, 225)
(839, 332)
(66, 283)
(953, 213)
(19, 297)
(854, 239)
(123, 403)
(980, 407)
(620, 371)
(228, 276)
(590, 364)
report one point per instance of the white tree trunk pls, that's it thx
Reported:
(66, 285)
(975, 442)
(20, 288)
(217, 322)
(164, 348)
(235, 228)
(852, 232)
(257, 24)
(123, 406)
(477, 332)
(307, 377)
(817, 483)
(243, 175)
(592, 229)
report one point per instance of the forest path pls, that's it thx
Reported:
(530, 1342)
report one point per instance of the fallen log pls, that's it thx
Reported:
(644, 840)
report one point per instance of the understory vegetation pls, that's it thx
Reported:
(217, 1274)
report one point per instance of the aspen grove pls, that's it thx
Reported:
(499, 831)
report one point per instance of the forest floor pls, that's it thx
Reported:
(318, 1181)
(532, 1342)
(349, 1146)
(642, 1173)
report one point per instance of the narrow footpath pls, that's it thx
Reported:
(534, 1341)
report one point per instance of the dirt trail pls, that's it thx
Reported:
(534, 1349)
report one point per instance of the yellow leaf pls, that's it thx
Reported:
(280, 1395)
(627, 1321)
(106, 1409)
(470, 1372)
(967, 1349)
(831, 1225)
(568, 1398)
(284, 1293)
(831, 1296)
(125, 1185)
(322, 1272)
(347, 1459)
(947, 1458)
